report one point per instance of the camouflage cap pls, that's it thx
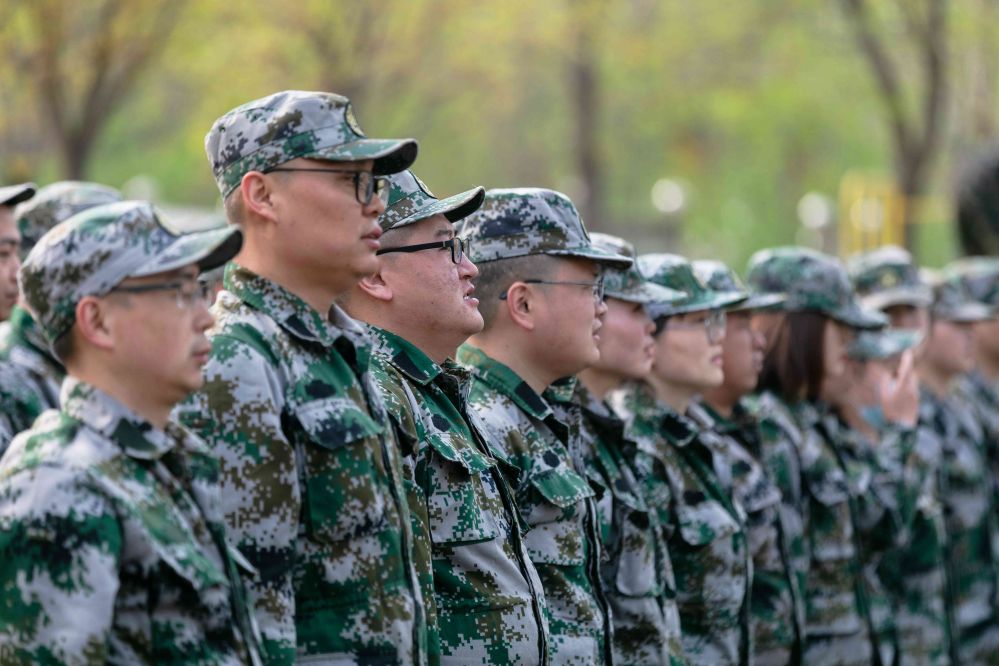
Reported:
(527, 221)
(813, 282)
(980, 276)
(410, 201)
(92, 252)
(953, 302)
(886, 277)
(881, 344)
(272, 130)
(675, 272)
(628, 284)
(719, 277)
(11, 195)
(55, 203)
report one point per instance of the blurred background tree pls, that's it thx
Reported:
(711, 128)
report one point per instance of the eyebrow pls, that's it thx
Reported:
(10, 240)
(446, 233)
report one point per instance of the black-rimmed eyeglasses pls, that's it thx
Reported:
(459, 248)
(597, 287)
(366, 184)
(186, 294)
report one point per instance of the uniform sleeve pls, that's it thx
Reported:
(60, 547)
(238, 413)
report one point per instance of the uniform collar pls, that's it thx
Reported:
(406, 357)
(96, 409)
(504, 380)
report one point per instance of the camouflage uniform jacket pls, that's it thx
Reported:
(554, 500)
(312, 481)
(112, 545)
(637, 574)
(982, 394)
(837, 628)
(775, 615)
(29, 376)
(703, 526)
(969, 519)
(489, 600)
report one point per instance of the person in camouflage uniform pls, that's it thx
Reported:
(886, 279)
(312, 478)
(702, 521)
(732, 433)
(30, 375)
(112, 544)
(10, 244)
(420, 304)
(637, 572)
(540, 296)
(820, 312)
(967, 490)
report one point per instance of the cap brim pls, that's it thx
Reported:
(454, 208)
(856, 317)
(968, 313)
(15, 194)
(647, 293)
(208, 249)
(715, 300)
(914, 296)
(760, 302)
(895, 341)
(593, 253)
(390, 155)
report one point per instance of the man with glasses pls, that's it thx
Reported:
(30, 375)
(540, 296)
(484, 590)
(112, 545)
(311, 475)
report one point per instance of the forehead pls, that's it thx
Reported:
(183, 273)
(577, 266)
(8, 225)
(312, 163)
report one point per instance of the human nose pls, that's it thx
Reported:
(466, 269)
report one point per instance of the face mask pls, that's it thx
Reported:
(874, 415)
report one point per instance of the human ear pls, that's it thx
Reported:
(519, 303)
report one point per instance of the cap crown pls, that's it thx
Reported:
(717, 276)
(56, 203)
(887, 269)
(810, 279)
(980, 276)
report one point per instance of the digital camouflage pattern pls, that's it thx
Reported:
(92, 252)
(812, 282)
(410, 201)
(112, 545)
(629, 284)
(716, 276)
(637, 573)
(775, 612)
(527, 221)
(489, 601)
(312, 481)
(951, 301)
(886, 277)
(970, 521)
(536, 451)
(980, 276)
(703, 527)
(56, 203)
(267, 132)
(675, 272)
(30, 375)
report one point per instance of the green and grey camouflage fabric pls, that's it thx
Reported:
(112, 545)
(536, 451)
(812, 282)
(886, 277)
(675, 272)
(776, 615)
(11, 195)
(718, 277)
(980, 276)
(92, 252)
(56, 203)
(883, 344)
(410, 201)
(629, 284)
(970, 520)
(490, 605)
(30, 375)
(951, 301)
(637, 572)
(837, 628)
(312, 482)
(267, 132)
(526, 221)
(703, 526)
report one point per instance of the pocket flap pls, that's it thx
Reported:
(561, 486)
(333, 422)
(702, 523)
(467, 456)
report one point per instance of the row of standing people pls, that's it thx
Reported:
(467, 431)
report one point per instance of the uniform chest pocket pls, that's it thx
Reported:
(704, 522)
(461, 493)
(557, 520)
(831, 530)
(636, 570)
(345, 481)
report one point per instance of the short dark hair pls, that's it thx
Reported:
(64, 347)
(793, 363)
(495, 277)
